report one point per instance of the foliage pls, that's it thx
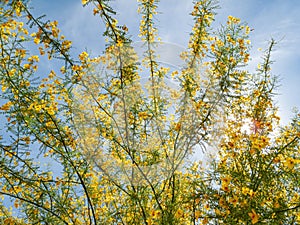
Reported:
(121, 146)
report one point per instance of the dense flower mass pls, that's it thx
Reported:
(117, 148)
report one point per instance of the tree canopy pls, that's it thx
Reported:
(118, 138)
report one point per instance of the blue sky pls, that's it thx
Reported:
(276, 19)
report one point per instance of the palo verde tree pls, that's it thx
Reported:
(121, 145)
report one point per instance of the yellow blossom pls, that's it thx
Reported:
(290, 163)
(83, 56)
(84, 2)
(179, 213)
(254, 216)
(226, 180)
(36, 40)
(234, 200)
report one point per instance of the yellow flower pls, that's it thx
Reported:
(36, 40)
(222, 202)
(155, 214)
(290, 163)
(66, 45)
(27, 140)
(83, 56)
(84, 2)
(205, 221)
(4, 88)
(143, 115)
(33, 58)
(276, 205)
(119, 43)
(251, 193)
(234, 20)
(225, 183)
(51, 74)
(234, 200)
(197, 214)
(179, 213)
(177, 126)
(254, 216)
(6, 106)
(26, 66)
(206, 207)
(226, 180)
